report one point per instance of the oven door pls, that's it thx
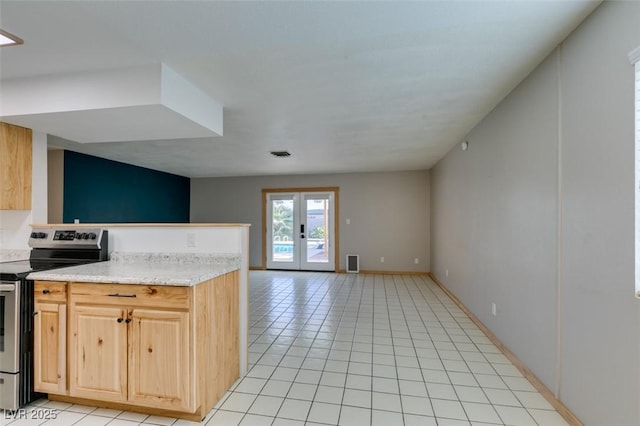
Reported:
(9, 324)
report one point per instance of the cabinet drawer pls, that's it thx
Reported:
(50, 291)
(131, 295)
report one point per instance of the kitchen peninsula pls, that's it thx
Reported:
(157, 332)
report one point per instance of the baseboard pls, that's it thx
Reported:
(562, 409)
(362, 271)
(194, 417)
(257, 268)
(371, 272)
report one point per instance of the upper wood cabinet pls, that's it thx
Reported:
(15, 167)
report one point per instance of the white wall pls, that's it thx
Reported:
(493, 221)
(388, 213)
(174, 239)
(600, 318)
(15, 224)
(537, 216)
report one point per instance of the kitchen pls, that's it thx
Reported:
(578, 335)
(209, 267)
(194, 239)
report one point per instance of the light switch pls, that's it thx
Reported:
(348, 221)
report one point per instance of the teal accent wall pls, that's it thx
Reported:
(97, 190)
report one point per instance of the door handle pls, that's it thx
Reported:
(302, 230)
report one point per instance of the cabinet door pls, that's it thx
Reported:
(160, 359)
(50, 348)
(98, 354)
(15, 167)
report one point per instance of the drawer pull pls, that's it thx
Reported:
(46, 291)
(120, 320)
(122, 295)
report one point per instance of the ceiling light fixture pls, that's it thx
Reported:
(281, 154)
(8, 39)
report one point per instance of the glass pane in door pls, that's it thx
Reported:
(282, 230)
(317, 222)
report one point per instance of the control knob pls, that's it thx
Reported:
(34, 235)
(92, 236)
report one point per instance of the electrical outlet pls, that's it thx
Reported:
(416, 261)
(191, 239)
(382, 259)
(446, 273)
(494, 309)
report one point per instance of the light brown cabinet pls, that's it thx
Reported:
(98, 360)
(128, 345)
(50, 337)
(159, 364)
(15, 167)
(165, 350)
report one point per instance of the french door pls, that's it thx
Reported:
(300, 230)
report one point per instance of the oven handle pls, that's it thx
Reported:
(7, 288)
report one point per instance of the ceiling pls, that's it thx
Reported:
(344, 86)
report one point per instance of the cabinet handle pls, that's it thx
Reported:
(128, 320)
(120, 319)
(35, 313)
(46, 291)
(122, 295)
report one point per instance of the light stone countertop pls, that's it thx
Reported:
(11, 255)
(147, 269)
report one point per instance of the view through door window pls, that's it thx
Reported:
(282, 230)
(317, 225)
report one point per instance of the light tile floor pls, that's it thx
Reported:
(346, 349)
